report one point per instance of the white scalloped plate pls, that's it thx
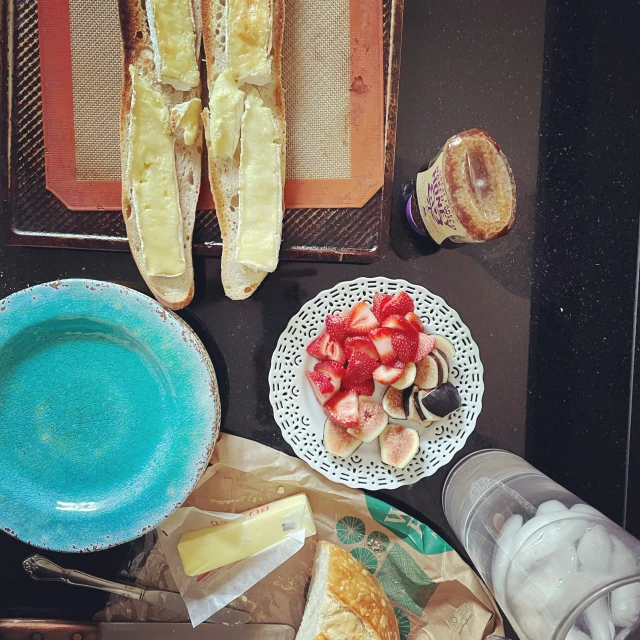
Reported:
(301, 419)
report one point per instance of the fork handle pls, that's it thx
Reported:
(40, 568)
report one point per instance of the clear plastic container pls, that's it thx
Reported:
(557, 567)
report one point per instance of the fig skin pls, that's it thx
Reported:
(442, 401)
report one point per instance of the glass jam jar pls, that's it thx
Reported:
(466, 194)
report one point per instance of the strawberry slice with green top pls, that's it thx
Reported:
(342, 409)
(361, 343)
(405, 345)
(379, 302)
(362, 320)
(360, 367)
(324, 348)
(337, 326)
(399, 305)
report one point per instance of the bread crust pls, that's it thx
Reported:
(172, 292)
(239, 281)
(357, 590)
(345, 601)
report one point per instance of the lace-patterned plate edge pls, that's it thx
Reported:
(301, 420)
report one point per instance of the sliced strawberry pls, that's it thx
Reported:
(399, 305)
(333, 370)
(366, 388)
(318, 346)
(329, 367)
(337, 327)
(398, 322)
(379, 301)
(381, 339)
(361, 343)
(414, 320)
(362, 320)
(360, 367)
(405, 345)
(322, 385)
(324, 348)
(336, 352)
(342, 409)
(387, 374)
(426, 344)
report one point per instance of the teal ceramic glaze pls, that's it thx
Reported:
(109, 411)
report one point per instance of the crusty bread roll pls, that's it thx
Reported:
(141, 56)
(345, 601)
(239, 280)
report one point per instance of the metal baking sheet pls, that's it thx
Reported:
(33, 216)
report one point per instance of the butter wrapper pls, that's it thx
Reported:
(209, 592)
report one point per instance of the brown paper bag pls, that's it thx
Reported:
(435, 594)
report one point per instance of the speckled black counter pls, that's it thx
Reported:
(551, 305)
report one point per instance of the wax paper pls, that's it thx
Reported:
(435, 593)
(206, 594)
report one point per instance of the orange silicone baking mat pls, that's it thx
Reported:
(332, 74)
(32, 215)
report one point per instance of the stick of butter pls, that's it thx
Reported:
(213, 547)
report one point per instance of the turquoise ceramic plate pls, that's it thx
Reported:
(109, 411)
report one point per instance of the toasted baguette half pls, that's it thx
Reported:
(239, 281)
(173, 292)
(345, 601)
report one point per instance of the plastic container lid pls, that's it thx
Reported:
(472, 478)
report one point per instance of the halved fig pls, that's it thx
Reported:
(407, 377)
(445, 356)
(417, 413)
(441, 401)
(407, 394)
(338, 442)
(412, 413)
(398, 445)
(373, 420)
(393, 403)
(426, 373)
(421, 410)
(445, 346)
(443, 367)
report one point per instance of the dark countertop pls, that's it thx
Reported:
(551, 306)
